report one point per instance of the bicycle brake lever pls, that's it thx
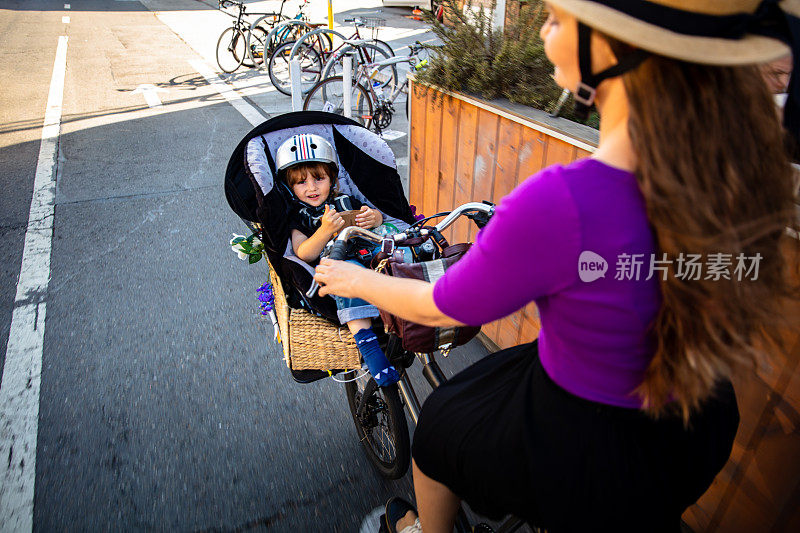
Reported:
(337, 253)
(312, 291)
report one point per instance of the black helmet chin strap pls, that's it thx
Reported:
(587, 86)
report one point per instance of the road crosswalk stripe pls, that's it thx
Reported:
(250, 113)
(19, 388)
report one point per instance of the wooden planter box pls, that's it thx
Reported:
(465, 149)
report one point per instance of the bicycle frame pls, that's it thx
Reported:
(287, 30)
(277, 22)
(241, 24)
(366, 73)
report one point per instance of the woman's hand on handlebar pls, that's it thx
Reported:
(411, 299)
(338, 277)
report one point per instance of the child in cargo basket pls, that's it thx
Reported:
(307, 163)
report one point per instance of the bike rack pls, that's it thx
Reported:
(271, 33)
(294, 72)
(302, 39)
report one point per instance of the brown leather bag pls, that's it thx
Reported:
(416, 337)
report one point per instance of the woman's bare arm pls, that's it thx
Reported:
(407, 298)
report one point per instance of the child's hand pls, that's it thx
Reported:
(369, 218)
(332, 221)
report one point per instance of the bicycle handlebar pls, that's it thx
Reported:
(226, 3)
(338, 249)
(462, 210)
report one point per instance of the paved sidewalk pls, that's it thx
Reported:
(199, 24)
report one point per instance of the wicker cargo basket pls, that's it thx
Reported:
(311, 342)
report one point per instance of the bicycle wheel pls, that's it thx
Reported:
(231, 49)
(310, 67)
(381, 425)
(383, 45)
(372, 53)
(328, 95)
(257, 43)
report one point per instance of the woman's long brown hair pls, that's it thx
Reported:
(715, 177)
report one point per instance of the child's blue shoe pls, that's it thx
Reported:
(377, 364)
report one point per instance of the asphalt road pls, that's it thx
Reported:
(164, 402)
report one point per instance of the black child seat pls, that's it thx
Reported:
(367, 171)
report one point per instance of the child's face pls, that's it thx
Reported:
(313, 190)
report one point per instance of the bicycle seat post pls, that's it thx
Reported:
(431, 370)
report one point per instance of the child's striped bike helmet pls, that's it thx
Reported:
(305, 148)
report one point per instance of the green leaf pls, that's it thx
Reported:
(254, 258)
(237, 240)
(246, 248)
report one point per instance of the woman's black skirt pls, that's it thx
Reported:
(508, 440)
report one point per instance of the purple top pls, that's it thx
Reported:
(548, 242)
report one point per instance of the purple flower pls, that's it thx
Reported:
(414, 213)
(266, 297)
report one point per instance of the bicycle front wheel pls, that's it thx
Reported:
(328, 95)
(310, 67)
(231, 49)
(381, 425)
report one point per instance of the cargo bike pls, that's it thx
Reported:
(315, 345)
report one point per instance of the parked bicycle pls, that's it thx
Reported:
(370, 104)
(333, 65)
(290, 32)
(318, 59)
(232, 51)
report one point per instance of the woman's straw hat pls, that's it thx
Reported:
(717, 32)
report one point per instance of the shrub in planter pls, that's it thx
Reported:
(476, 57)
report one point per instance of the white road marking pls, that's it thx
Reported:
(65, 20)
(246, 110)
(392, 135)
(19, 389)
(150, 93)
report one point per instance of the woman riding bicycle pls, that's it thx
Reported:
(622, 413)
